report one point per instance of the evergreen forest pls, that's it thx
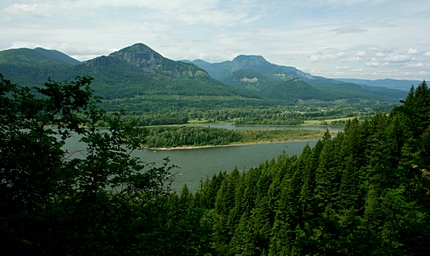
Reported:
(365, 191)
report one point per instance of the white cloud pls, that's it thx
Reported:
(349, 29)
(342, 67)
(419, 64)
(356, 37)
(34, 9)
(361, 54)
(412, 51)
(398, 58)
(356, 58)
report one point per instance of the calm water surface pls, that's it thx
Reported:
(197, 164)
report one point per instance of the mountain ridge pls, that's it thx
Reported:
(26, 56)
(139, 70)
(132, 71)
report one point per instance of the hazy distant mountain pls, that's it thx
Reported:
(255, 73)
(253, 62)
(404, 85)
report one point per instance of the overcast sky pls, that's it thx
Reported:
(368, 39)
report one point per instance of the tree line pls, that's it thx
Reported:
(363, 192)
(177, 136)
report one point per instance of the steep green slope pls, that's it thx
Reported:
(253, 62)
(133, 71)
(295, 89)
(249, 80)
(33, 57)
(363, 192)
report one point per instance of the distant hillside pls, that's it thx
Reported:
(249, 80)
(403, 85)
(132, 71)
(252, 62)
(38, 56)
(138, 70)
(293, 90)
(255, 73)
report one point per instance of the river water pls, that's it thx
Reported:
(197, 164)
(200, 163)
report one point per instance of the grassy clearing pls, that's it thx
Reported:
(325, 122)
(261, 136)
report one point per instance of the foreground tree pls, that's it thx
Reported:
(96, 201)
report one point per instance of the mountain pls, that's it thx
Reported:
(248, 79)
(295, 89)
(403, 85)
(138, 70)
(253, 62)
(255, 73)
(132, 71)
(38, 56)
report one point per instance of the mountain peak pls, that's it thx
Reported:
(136, 48)
(140, 55)
(36, 56)
(250, 60)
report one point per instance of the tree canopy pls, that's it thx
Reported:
(362, 192)
(58, 202)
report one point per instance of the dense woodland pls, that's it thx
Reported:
(363, 192)
(179, 136)
(157, 90)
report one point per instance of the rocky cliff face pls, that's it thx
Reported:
(148, 60)
(145, 61)
(102, 61)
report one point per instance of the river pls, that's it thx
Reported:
(197, 164)
(200, 163)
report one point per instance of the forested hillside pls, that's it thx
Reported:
(131, 72)
(363, 192)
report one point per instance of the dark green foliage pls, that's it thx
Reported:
(99, 201)
(177, 136)
(142, 82)
(249, 80)
(363, 192)
(33, 57)
(295, 89)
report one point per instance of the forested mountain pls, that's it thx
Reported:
(248, 79)
(252, 62)
(133, 71)
(34, 57)
(403, 85)
(295, 89)
(363, 192)
(138, 70)
(143, 82)
(256, 73)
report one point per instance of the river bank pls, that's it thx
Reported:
(305, 138)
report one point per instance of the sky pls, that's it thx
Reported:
(367, 39)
